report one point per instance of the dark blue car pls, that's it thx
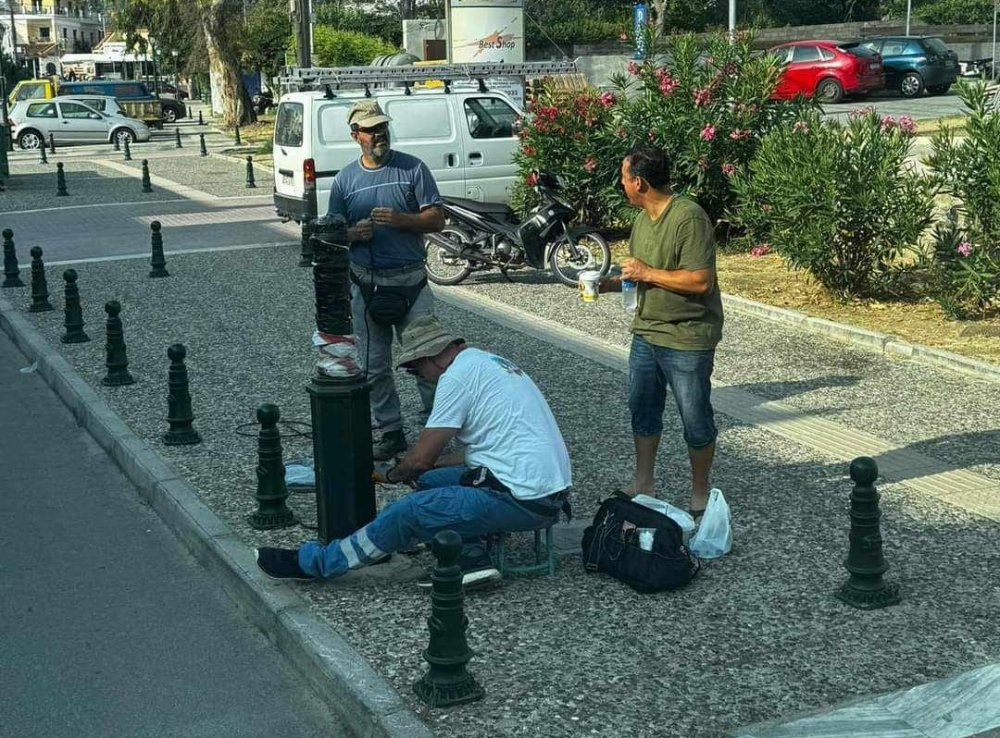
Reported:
(916, 63)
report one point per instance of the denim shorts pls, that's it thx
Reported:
(651, 370)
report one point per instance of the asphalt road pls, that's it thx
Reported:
(108, 628)
(892, 103)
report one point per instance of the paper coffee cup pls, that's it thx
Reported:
(588, 285)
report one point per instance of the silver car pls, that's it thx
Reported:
(70, 121)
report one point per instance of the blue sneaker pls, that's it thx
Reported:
(282, 563)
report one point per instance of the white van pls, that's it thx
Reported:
(466, 138)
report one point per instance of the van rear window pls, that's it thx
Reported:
(288, 124)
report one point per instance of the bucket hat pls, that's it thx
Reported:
(423, 338)
(366, 113)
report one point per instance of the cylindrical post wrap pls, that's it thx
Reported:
(447, 681)
(43, 158)
(272, 493)
(128, 150)
(11, 270)
(73, 310)
(52, 143)
(39, 285)
(115, 350)
(179, 413)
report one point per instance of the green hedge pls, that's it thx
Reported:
(336, 48)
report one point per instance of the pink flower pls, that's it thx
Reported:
(888, 122)
(702, 97)
(528, 150)
(703, 164)
(621, 133)
(532, 179)
(667, 85)
(606, 99)
(591, 164)
(761, 249)
(707, 133)
(623, 36)
(801, 127)
(861, 113)
(633, 68)
(765, 208)
(964, 248)
(907, 124)
(728, 169)
(739, 134)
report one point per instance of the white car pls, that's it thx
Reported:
(69, 121)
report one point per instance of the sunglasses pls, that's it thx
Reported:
(380, 128)
(412, 371)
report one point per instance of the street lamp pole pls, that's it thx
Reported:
(732, 19)
(909, 11)
(993, 67)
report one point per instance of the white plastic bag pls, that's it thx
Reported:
(715, 536)
(681, 517)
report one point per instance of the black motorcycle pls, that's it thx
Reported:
(483, 235)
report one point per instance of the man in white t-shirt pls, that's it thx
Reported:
(512, 473)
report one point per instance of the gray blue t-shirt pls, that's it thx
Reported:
(404, 184)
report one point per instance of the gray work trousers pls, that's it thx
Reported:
(375, 342)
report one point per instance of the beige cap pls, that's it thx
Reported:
(424, 338)
(366, 113)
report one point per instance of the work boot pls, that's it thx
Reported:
(389, 445)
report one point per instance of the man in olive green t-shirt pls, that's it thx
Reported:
(678, 320)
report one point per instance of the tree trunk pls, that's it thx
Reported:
(223, 64)
(660, 6)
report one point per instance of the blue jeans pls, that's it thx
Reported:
(651, 370)
(439, 503)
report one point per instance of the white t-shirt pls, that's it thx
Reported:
(505, 423)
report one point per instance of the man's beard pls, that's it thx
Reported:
(378, 150)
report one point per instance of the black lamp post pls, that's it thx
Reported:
(338, 395)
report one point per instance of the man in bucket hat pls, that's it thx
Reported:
(511, 475)
(389, 200)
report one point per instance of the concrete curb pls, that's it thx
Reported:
(362, 700)
(881, 342)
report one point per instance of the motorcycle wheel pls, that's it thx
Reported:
(588, 252)
(445, 268)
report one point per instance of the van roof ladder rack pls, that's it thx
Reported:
(314, 78)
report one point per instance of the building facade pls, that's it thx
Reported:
(45, 30)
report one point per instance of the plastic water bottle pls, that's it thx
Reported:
(629, 294)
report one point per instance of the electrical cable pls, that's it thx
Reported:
(565, 55)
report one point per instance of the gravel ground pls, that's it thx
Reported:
(756, 636)
(220, 177)
(33, 186)
(899, 401)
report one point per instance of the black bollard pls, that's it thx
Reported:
(42, 157)
(147, 186)
(39, 286)
(866, 589)
(272, 512)
(117, 356)
(158, 262)
(115, 144)
(177, 138)
(179, 413)
(239, 141)
(201, 144)
(52, 143)
(60, 180)
(201, 121)
(128, 150)
(187, 111)
(306, 255)
(73, 311)
(447, 682)
(11, 270)
(251, 182)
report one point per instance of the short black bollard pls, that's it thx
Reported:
(179, 413)
(865, 589)
(11, 270)
(239, 141)
(306, 255)
(158, 262)
(272, 512)
(73, 311)
(42, 157)
(147, 186)
(128, 150)
(52, 143)
(447, 682)
(251, 182)
(115, 143)
(177, 138)
(201, 144)
(39, 285)
(117, 356)
(201, 121)
(60, 180)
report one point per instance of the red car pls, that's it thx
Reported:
(827, 70)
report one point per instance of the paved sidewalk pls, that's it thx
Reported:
(108, 627)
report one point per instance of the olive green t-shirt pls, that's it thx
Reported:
(681, 238)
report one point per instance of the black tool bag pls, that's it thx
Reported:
(612, 545)
(389, 305)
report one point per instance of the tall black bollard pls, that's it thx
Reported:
(201, 121)
(115, 350)
(251, 182)
(128, 150)
(39, 286)
(447, 682)
(147, 186)
(865, 588)
(272, 512)
(60, 180)
(11, 270)
(158, 262)
(115, 144)
(73, 311)
(239, 141)
(177, 138)
(42, 157)
(52, 143)
(201, 145)
(179, 413)
(306, 254)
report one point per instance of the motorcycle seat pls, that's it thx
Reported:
(483, 208)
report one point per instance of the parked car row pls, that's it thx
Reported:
(73, 119)
(831, 70)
